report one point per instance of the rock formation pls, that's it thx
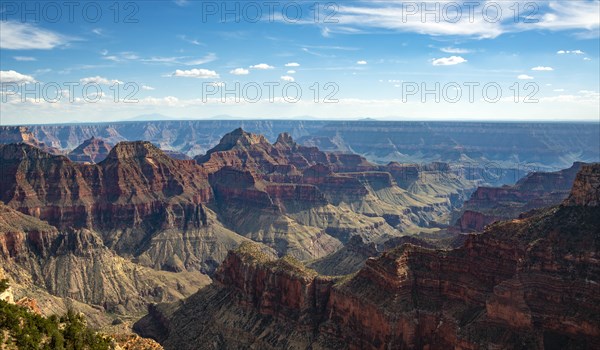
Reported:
(92, 150)
(529, 283)
(536, 190)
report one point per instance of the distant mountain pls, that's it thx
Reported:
(494, 153)
(150, 117)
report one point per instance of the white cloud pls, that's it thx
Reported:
(558, 90)
(572, 52)
(524, 77)
(196, 73)
(148, 88)
(361, 62)
(288, 78)
(581, 17)
(262, 66)
(10, 76)
(542, 68)
(567, 15)
(98, 31)
(454, 50)
(24, 58)
(99, 80)
(239, 71)
(448, 61)
(217, 84)
(24, 36)
(392, 15)
(291, 72)
(587, 59)
(292, 64)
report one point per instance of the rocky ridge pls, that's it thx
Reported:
(536, 190)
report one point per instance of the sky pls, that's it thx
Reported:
(90, 61)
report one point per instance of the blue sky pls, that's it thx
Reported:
(365, 58)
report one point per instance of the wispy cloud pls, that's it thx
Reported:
(361, 62)
(542, 68)
(568, 15)
(191, 41)
(454, 50)
(24, 58)
(147, 88)
(292, 64)
(181, 3)
(99, 80)
(196, 73)
(170, 60)
(570, 52)
(206, 59)
(487, 21)
(448, 61)
(25, 36)
(288, 78)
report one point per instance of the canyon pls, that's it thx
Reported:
(530, 282)
(129, 224)
(237, 241)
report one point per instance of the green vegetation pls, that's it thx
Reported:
(3, 285)
(292, 266)
(22, 329)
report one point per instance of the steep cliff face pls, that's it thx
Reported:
(526, 283)
(136, 186)
(536, 190)
(22, 134)
(586, 189)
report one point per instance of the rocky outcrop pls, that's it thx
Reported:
(536, 190)
(93, 150)
(586, 188)
(526, 283)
